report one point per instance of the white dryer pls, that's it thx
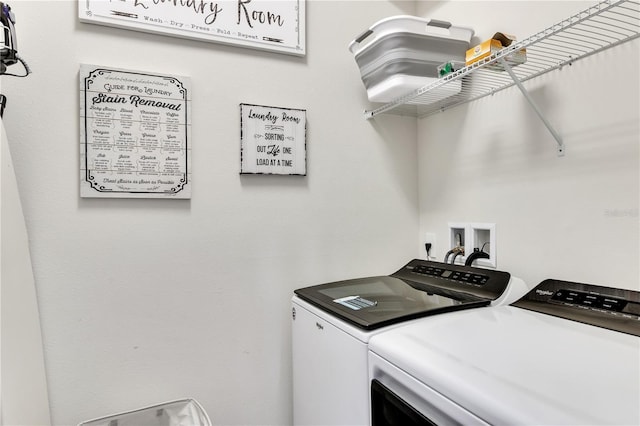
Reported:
(565, 354)
(332, 324)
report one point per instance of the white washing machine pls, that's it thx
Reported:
(332, 324)
(565, 354)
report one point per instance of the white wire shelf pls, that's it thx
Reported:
(599, 27)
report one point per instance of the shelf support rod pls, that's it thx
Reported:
(548, 125)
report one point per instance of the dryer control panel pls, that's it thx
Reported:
(606, 307)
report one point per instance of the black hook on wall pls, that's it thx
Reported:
(3, 103)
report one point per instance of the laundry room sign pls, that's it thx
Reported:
(134, 134)
(273, 140)
(275, 25)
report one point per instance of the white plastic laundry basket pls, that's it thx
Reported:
(181, 412)
(400, 54)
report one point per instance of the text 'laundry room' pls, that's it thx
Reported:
(319, 212)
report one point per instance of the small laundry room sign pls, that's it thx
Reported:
(273, 140)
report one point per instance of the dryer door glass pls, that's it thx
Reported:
(387, 409)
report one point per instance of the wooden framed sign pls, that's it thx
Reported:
(274, 25)
(273, 140)
(135, 130)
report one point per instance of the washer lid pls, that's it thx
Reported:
(420, 288)
(374, 302)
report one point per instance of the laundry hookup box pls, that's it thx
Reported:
(401, 54)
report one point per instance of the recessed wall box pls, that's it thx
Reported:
(457, 238)
(400, 54)
(482, 236)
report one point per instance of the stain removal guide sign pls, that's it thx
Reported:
(135, 130)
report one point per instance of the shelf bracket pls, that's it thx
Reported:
(548, 125)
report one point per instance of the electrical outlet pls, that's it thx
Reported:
(430, 238)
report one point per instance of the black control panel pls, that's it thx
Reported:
(606, 307)
(442, 272)
(484, 283)
(590, 300)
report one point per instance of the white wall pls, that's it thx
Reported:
(147, 300)
(22, 378)
(573, 217)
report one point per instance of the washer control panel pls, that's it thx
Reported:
(607, 307)
(470, 277)
(483, 283)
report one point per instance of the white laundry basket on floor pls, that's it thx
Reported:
(181, 412)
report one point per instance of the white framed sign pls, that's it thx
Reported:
(273, 140)
(274, 25)
(135, 130)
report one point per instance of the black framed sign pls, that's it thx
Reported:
(274, 25)
(273, 140)
(135, 130)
